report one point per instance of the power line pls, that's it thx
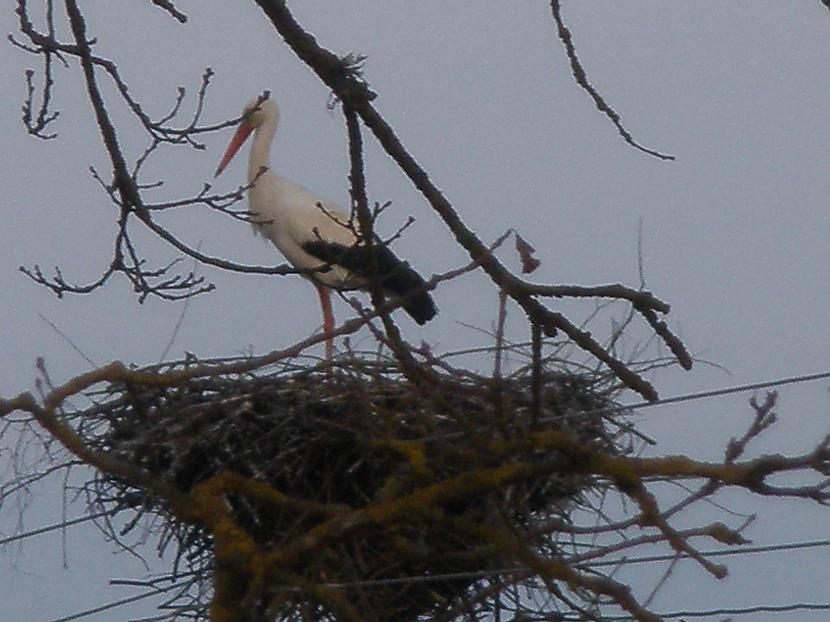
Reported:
(48, 528)
(483, 574)
(688, 397)
(118, 603)
(707, 613)
(698, 395)
(767, 548)
(524, 569)
(754, 386)
(675, 399)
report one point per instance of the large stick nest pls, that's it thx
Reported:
(357, 436)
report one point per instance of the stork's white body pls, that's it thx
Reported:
(289, 215)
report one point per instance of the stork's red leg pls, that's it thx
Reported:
(328, 319)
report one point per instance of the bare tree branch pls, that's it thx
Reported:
(582, 79)
(168, 6)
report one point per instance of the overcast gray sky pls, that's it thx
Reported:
(735, 231)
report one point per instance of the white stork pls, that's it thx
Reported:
(312, 232)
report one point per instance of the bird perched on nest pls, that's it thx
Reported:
(313, 233)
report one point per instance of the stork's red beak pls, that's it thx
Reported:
(242, 132)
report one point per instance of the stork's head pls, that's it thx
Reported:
(254, 114)
(258, 110)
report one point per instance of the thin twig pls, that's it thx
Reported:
(582, 79)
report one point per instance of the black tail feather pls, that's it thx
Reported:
(400, 279)
(397, 277)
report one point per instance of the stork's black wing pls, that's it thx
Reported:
(396, 276)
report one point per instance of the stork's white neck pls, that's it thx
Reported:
(261, 148)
